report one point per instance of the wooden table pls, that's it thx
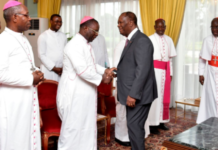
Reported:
(190, 102)
(174, 146)
(103, 118)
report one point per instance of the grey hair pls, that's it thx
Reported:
(8, 13)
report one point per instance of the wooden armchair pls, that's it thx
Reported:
(47, 92)
(106, 104)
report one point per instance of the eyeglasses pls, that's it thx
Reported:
(96, 32)
(26, 15)
(214, 27)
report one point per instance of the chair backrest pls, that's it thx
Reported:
(47, 92)
(106, 89)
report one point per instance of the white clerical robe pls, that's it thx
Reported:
(121, 130)
(164, 50)
(50, 51)
(19, 110)
(209, 98)
(77, 96)
(100, 51)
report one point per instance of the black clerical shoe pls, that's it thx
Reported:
(154, 130)
(162, 126)
(123, 143)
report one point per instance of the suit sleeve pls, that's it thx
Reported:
(143, 54)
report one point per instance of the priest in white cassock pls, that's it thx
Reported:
(208, 76)
(100, 51)
(51, 45)
(77, 90)
(164, 51)
(19, 109)
(121, 130)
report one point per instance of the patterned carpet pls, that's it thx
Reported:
(153, 142)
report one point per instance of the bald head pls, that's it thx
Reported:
(8, 13)
(214, 27)
(132, 17)
(127, 22)
(214, 20)
(160, 26)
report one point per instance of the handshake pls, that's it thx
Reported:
(108, 75)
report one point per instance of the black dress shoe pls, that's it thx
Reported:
(123, 143)
(154, 130)
(162, 126)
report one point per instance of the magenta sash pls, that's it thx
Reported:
(166, 99)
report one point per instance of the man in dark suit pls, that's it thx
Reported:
(136, 79)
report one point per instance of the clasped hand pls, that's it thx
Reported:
(108, 75)
(130, 101)
(38, 77)
(57, 70)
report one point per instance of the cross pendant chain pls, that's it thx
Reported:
(32, 68)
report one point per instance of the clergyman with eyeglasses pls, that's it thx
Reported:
(51, 45)
(19, 109)
(208, 75)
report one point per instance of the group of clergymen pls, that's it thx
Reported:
(144, 73)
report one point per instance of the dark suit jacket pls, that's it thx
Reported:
(135, 71)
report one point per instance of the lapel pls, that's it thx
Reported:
(128, 45)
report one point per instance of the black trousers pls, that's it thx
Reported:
(136, 118)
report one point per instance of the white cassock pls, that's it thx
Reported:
(164, 50)
(77, 96)
(100, 51)
(19, 110)
(50, 51)
(121, 130)
(209, 98)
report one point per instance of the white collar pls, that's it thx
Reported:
(159, 35)
(53, 32)
(132, 33)
(82, 37)
(13, 32)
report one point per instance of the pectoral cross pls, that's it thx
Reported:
(215, 60)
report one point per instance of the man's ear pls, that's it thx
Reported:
(50, 21)
(14, 18)
(85, 27)
(131, 23)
